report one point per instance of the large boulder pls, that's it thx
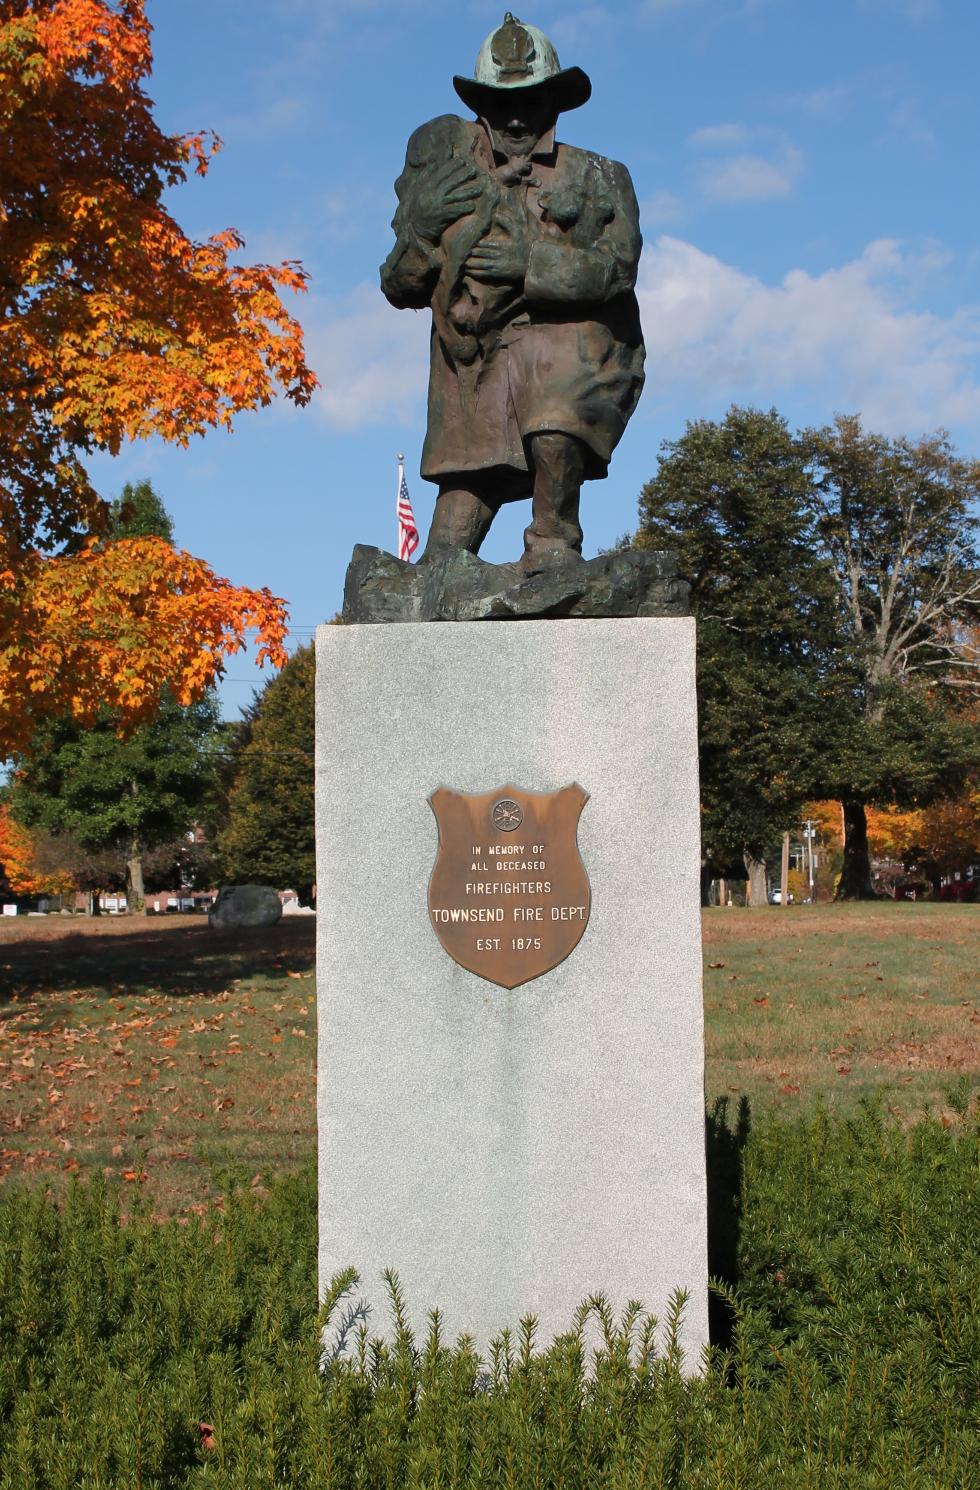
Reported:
(245, 905)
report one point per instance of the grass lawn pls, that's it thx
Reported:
(165, 1054)
(156, 1050)
(842, 1000)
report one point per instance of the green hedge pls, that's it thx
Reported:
(849, 1359)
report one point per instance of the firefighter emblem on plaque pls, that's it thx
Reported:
(509, 897)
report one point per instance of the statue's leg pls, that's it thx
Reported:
(462, 516)
(559, 470)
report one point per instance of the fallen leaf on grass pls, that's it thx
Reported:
(135, 1176)
(716, 964)
(763, 1000)
(208, 1440)
(843, 1070)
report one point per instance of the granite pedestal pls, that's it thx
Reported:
(511, 1152)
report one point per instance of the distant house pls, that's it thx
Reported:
(179, 902)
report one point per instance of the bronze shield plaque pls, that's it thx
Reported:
(509, 897)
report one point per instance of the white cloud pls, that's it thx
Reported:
(577, 27)
(720, 136)
(822, 103)
(751, 178)
(371, 359)
(908, 123)
(662, 208)
(848, 339)
(277, 114)
(735, 8)
(355, 208)
(761, 174)
(841, 340)
(913, 10)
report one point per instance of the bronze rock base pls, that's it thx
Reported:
(455, 585)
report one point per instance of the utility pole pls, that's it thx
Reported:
(784, 877)
(809, 841)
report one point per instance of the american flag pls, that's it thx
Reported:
(408, 533)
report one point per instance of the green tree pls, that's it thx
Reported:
(733, 498)
(268, 835)
(138, 512)
(129, 795)
(896, 520)
(835, 575)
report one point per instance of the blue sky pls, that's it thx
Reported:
(808, 181)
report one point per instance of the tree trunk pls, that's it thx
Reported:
(93, 906)
(855, 879)
(135, 893)
(784, 873)
(758, 888)
(723, 893)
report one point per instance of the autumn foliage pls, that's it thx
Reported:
(115, 326)
(120, 622)
(18, 866)
(946, 834)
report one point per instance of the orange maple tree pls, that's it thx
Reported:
(828, 821)
(114, 326)
(18, 866)
(947, 833)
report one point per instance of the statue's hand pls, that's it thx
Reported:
(448, 193)
(500, 260)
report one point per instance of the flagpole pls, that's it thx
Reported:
(408, 533)
(398, 492)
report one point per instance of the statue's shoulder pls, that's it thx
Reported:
(439, 139)
(607, 183)
(589, 161)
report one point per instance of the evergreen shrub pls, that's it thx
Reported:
(145, 1356)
